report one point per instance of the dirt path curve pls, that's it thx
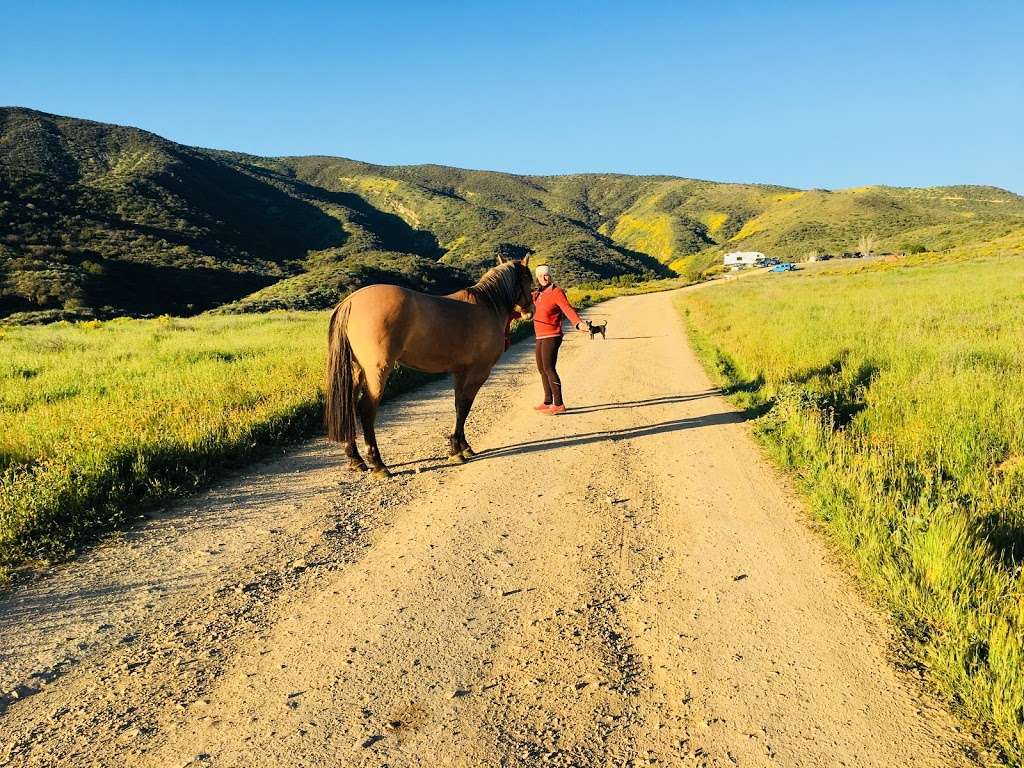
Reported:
(628, 584)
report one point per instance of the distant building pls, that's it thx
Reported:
(744, 259)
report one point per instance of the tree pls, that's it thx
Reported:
(867, 244)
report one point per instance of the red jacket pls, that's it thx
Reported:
(550, 306)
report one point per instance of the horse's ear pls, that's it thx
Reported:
(526, 260)
(500, 260)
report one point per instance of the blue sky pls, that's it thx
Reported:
(802, 94)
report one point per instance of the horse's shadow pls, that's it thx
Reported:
(590, 438)
(628, 433)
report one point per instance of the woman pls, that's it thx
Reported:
(551, 306)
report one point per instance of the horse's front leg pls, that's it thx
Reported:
(455, 449)
(466, 387)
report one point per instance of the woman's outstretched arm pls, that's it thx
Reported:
(563, 303)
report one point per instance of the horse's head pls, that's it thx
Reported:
(508, 286)
(524, 283)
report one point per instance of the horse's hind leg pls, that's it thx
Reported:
(355, 461)
(373, 391)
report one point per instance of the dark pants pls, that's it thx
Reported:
(547, 358)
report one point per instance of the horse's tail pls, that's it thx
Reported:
(340, 395)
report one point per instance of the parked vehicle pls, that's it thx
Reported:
(784, 267)
(744, 259)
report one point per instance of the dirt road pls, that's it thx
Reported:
(628, 584)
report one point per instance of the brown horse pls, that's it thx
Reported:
(381, 326)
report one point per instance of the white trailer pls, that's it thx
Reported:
(739, 259)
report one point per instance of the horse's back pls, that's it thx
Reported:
(391, 304)
(388, 324)
(381, 299)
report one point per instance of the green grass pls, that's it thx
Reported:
(99, 420)
(896, 394)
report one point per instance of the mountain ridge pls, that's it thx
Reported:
(100, 219)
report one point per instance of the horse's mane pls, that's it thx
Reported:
(499, 286)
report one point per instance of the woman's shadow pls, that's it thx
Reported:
(666, 400)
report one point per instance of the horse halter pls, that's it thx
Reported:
(526, 298)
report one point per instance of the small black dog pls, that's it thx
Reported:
(596, 328)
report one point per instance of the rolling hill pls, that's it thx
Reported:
(106, 220)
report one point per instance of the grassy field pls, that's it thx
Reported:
(97, 419)
(100, 419)
(896, 394)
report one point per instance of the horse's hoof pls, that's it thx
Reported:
(382, 472)
(358, 466)
(456, 458)
(468, 452)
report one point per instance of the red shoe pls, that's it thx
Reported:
(554, 410)
(542, 407)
